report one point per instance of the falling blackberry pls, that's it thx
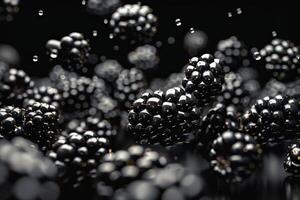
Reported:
(233, 53)
(109, 71)
(158, 184)
(11, 122)
(8, 8)
(234, 156)
(271, 120)
(292, 160)
(102, 7)
(219, 119)
(72, 52)
(281, 59)
(144, 57)
(134, 22)
(122, 167)
(165, 118)
(128, 85)
(27, 173)
(44, 94)
(204, 77)
(13, 86)
(77, 157)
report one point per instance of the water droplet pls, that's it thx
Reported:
(41, 12)
(192, 30)
(229, 14)
(116, 48)
(239, 11)
(54, 53)
(111, 36)
(95, 33)
(274, 33)
(171, 40)
(178, 22)
(83, 2)
(35, 58)
(256, 55)
(105, 21)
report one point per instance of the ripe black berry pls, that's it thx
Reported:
(271, 120)
(292, 160)
(11, 122)
(234, 156)
(204, 77)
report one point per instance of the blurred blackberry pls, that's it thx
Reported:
(219, 119)
(271, 120)
(122, 167)
(72, 52)
(11, 122)
(204, 77)
(233, 53)
(234, 156)
(234, 92)
(292, 160)
(171, 182)
(41, 124)
(13, 86)
(195, 41)
(26, 173)
(77, 157)
(144, 57)
(9, 55)
(8, 8)
(134, 22)
(102, 7)
(58, 74)
(281, 59)
(108, 70)
(3, 68)
(43, 94)
(128, 85)
(165, 118)
(174, 80)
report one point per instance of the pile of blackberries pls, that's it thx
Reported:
(102, 128)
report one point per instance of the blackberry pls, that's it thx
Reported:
(271, 120)
(195, 41)
(165, 118)
(102, 7)
(233, 53)
(13, 86)
(109, 71)
(171, 182)
(234, 92)
(8, 8)
(234, 156)
(44, 94)
(144, 57)
(77, 156)
(122, 167)
(292, 160)
(134, 22)
(26, 173)
(11, 122)
(72, 52)
(128, 85)
(281, 59)
(219, 119)
(58, 75)
(204, 77)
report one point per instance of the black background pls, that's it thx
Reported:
(29, 32)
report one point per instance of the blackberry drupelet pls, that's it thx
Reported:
(108, 70)
(144, 57)
(234, 92)
(174, 181)
(13, 86)
(118, 169)
(11, 122)
(271, 120)
(219, 119)
(102, 7)
(72, 52)
(128, 85)
(43, 94)
(281, 59)
(8, 8)
(234, 156)
(165, 118)
(77, 157)
(204, 77)
(26, 172)
(292, 160)
(233, 53)
(41, 124)
(134, 22)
